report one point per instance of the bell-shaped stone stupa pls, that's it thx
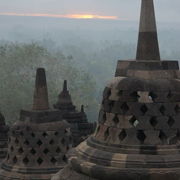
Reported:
(80, 127)
(138, 132)
(38, 142)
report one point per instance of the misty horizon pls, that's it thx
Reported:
(128, 10)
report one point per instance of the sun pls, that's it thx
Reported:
(90, 16)
(82, 16)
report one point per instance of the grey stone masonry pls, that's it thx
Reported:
(80, 127)
(39, 141)
(148, 48)
(138, 131)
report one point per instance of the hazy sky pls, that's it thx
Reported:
(166, 10)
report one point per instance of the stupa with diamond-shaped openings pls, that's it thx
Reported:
(38, 142)
(138, 132)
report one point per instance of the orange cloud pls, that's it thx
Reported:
(70, 16)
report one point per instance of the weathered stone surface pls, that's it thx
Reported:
(148, 47)
(40, 94)
(38, 142)
(125, 67)
(80, 127)
(138, 131)
(69, 174)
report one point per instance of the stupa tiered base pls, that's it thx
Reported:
(100, 161)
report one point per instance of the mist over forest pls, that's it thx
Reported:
(84, 52)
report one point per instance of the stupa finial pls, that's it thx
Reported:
(148, 47)
(40, 101)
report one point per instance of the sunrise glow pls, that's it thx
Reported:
(70, 16)
(91, 16)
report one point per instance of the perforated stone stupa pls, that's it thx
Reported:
(3, 137)
(138, 132)
(38, 142)
(80, 127)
